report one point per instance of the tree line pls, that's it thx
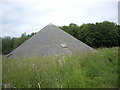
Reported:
(9, 44)
(102, 34)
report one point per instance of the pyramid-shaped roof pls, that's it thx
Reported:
(50, 40)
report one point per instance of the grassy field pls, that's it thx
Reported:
(89, 70)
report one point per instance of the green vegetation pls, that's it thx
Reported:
(97, 69)
(9, 44)
(97, 35)
(103, 34)
(0, 70)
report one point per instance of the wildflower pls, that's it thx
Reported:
(56, 79)
(95, 77)
(39, 85)
(33, 65)
(60, 62)
(56, 55)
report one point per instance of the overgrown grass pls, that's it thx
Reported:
(89, 70)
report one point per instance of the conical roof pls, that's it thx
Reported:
(50, 40)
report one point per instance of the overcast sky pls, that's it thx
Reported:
(19, 16)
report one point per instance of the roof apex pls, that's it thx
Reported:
(50, 23)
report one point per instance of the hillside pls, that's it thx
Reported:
(89, 70)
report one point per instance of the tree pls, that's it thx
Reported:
(118, 35)
(0, 45)
(95, 35)
(7, 45)
(71, 29)
(106, 34)
(20, 40)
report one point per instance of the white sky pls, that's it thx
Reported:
(19, 16)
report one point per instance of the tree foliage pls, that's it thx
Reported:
(9, 44)
(103, 34)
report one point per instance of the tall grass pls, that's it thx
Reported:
(89, 70)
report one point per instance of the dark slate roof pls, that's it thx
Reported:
(50, 40)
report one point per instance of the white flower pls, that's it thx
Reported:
(33, 65)
(60, 62)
